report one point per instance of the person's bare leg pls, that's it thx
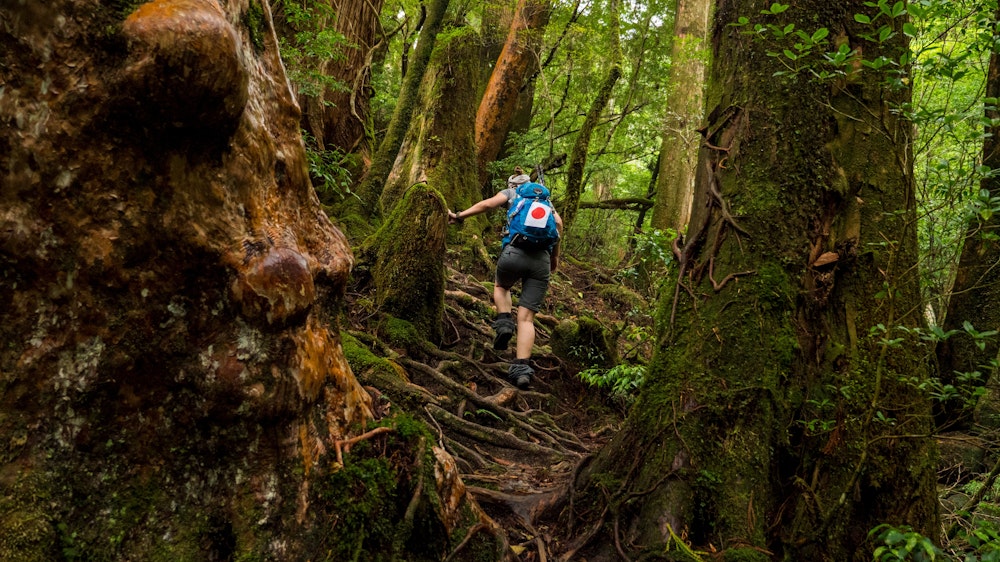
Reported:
(502, 299)
(525, 332)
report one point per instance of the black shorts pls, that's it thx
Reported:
(531, 268)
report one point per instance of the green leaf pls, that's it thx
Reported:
(898, 9)
(861, 18)
(788, 28)
(884, 33)
(909, 29)
(790, 54)
(820, 34)
(778, 8)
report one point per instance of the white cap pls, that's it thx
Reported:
(518, 180)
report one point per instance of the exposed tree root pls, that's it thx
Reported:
(523, 443)
(528, 508)
(344, 445)
(497, 409)
(494, 437)
(472, 532)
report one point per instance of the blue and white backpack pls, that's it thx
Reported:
(531, 221)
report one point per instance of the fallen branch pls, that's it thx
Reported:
(626, 204)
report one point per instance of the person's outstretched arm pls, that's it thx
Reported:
(481, 207)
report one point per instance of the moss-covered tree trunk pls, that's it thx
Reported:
(976, 292)
(775, 422)
(373, 183)
(172, 381)
(440, 146)
(406, 257)
(500, 100)
(684, 110)
(578, 156)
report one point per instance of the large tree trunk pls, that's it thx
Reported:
(516, 63)
(774, 422)
(173, 382)
(337, 118)
(407, 261)
(976, 290)
(685, 107)
(373, 183)
(440, 146)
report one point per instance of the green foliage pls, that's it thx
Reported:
(329, 171)
(649, 260)
(621, 381)
(310, 46)
(904, 544)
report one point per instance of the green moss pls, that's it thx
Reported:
(124, 8)
(621, 295)
(407, 261)
(367, 500)
(584, 343)
(253, 20)
(744, 555)
(362, 360)
(400, 333)
(409, 428)
(27, 532)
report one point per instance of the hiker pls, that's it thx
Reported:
(519, 260)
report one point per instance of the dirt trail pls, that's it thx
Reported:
(517, 450)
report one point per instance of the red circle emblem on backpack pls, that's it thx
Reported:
(538, 213)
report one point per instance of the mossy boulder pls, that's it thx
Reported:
(584, 343)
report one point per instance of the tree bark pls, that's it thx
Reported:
(977, 281)
(338, 118)
(685, 107)
(775, 422)
(516, 63)
(440, 146)
(172, 373)
(407, 257)
(373, 183)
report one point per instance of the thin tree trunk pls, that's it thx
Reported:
(578, 156)
(374, 181)
(685, 102)
(517, 61)
(975, 297)
(774, 423)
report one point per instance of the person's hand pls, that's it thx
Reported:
(453, 217)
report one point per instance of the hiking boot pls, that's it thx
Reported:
(519, 373)
(504, 329)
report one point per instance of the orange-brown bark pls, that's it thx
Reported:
(518, 58)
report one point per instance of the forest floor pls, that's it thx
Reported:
(518, 451)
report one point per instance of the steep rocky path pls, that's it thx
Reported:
(517, 450)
